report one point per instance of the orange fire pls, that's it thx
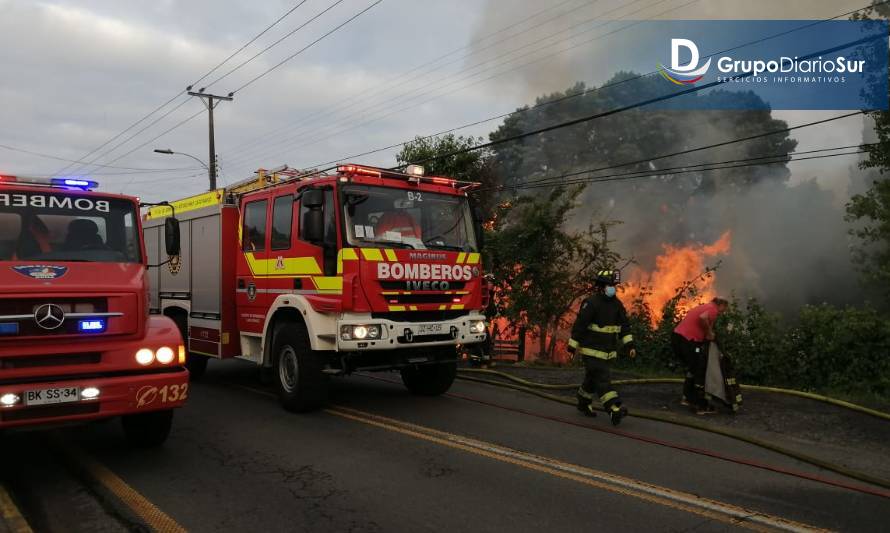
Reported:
(674, 268)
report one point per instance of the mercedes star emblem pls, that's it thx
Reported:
(49, 316)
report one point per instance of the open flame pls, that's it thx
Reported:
(674, 268)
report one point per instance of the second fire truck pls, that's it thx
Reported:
(313, 275)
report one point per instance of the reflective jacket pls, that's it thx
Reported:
(601, 328)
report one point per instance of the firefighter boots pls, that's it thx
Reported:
(616, 413)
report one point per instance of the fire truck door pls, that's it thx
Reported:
(254, 270)
(318, 228)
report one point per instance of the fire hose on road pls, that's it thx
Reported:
(654, 381)
(533, 388)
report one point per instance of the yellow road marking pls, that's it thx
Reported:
(712, 509)
(155, 518)
(11, 515)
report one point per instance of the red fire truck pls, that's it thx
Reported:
(76, 339)
(310, 275)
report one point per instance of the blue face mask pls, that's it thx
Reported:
(610, 291)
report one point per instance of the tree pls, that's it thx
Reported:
(870, 210)
(473, 165)
(542, 270)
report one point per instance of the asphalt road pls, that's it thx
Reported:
(380, 459)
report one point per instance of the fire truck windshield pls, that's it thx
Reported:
(45, 226)
(386, 217)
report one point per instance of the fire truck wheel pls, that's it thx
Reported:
(429, 380)
(301, 384)
(147, 430)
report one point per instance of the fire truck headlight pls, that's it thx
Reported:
(165, 355)
(9, 399)
(360, 333)
(89, 393)
(477, 326)
(145, 357)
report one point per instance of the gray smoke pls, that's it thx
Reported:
(790, 242)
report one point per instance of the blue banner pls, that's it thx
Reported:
(762, 64)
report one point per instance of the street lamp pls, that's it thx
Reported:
(203, 164)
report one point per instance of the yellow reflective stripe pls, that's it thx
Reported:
(397, 308)
(573, 343)
(598, 354)
(611, 395)
(328, 284)
(391, 293)
(187, 204)
(390, 255)
(291, 266)
(443, 307)
(457, 307)
(460, 257)
(473, 259)
(627, 338)
(604, 329)
(346, 254)
(413, 307)
(372, 254)
(584, 394)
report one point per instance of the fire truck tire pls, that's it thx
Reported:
(147, 430)
(429, 380)
(196, 364)
(301, 384)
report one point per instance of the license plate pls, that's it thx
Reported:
(429, 329)
(51, 396)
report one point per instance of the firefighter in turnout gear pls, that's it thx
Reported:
(600, 330)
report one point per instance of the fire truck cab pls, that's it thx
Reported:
(310, 275)
(76, 339)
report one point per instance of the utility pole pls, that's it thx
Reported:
(210, 101)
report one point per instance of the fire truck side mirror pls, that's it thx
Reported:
(312, 198)
(171, 236)
(312, 201)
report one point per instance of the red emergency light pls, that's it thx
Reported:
(354, 169)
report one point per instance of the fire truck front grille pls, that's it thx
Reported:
(403, 286)
(12, 363)
(421, 298)
(26, 308)
(420, 316)
(49, 411)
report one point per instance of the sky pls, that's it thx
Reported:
(74, 74)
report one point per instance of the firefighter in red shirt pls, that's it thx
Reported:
(689, 342)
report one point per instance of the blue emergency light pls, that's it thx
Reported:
(74, 183)
(93, 325)
(9, 328)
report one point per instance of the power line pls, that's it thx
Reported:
(243, 86)
(709, 146)
(165, 132)
(751, 162)
(266, 49)
(310, 45)
(306, 131)
(177, 95)
(578, 94)
(133, 136)
(56, 158)
(248, 43)
(616, 110)
(338, 106)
